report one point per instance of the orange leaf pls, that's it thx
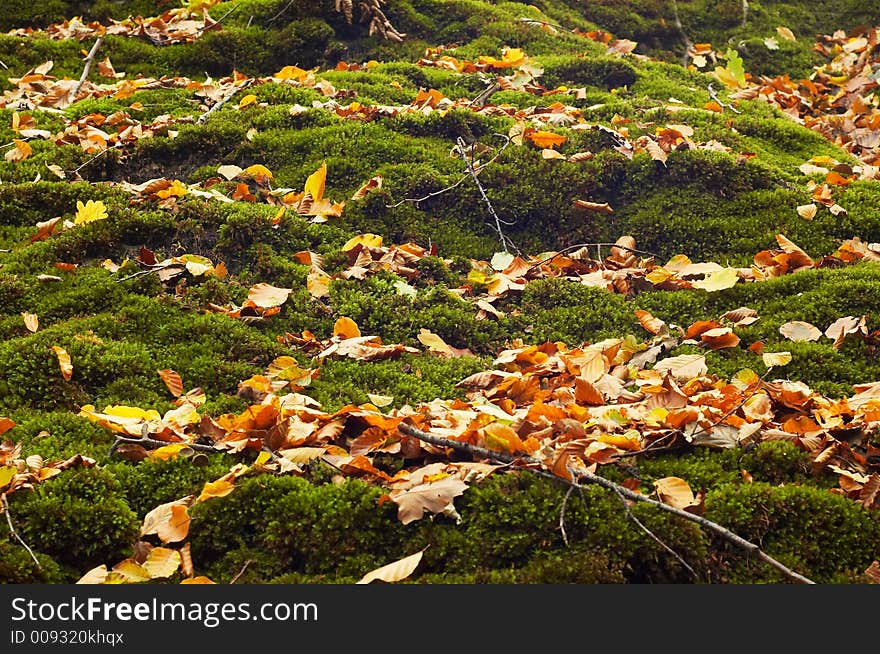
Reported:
(172, 381)
(219, 488)
(649, 322)
(6, 424)
(675, 492)
(346, 328)
(546, 139)
(63, 362)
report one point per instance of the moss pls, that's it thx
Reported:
(17, 566)
(798, 525)
(79, 519)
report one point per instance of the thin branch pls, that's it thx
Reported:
(5, 505)
(687, 42)
(484, 95)
(562, 515)
(278, 15)
(610, 485)
(152, 444)
(721, 103)
(506, 243)
(87, 67)
(578, 246)
(218, 21)
(745, 4)
(241, 572)
(5, 67)
(478, 169)
(115, 146)
(204, 117)
(641, 525)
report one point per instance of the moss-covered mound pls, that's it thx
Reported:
(731, 181)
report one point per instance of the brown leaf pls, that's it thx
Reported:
(603, 207)
(266, 296)
(169, 521)
(435, 497)
(675, 491)
(649, 322)
(869, 492)
(172, 380)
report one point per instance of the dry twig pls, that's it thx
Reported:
(87, 67)
(529, 463)
(5, 506)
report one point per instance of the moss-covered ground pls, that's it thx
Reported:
(709, 205)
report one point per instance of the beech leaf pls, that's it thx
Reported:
(396, 571)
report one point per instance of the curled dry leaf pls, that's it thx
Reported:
(773, 359)
(433, 496)
(31, 321)
(172, 381)
(266, 296)
(346, 328)
(396, 571)
(676, 492)
(169, 521)
(64, 362)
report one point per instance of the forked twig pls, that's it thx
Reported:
(591, 478)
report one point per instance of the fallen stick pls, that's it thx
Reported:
(591, 478)
(204, 117)
(87, 67)
(5, 505)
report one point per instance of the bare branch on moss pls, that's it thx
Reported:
(226, 98)
(562, 515)
(655, 537)
(721, 103)
(688, 44)
(5, 505)
(115, 146)
(241, 572)
(506, 243)
(478, 169)
(153, 444)
(87, 66)
(745, 12)
(529, 463)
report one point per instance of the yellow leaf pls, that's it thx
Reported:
(433, 342)
(786, 33)
(89, 212)
(718, 280)
(63, 362)
(168, 452)
(247, 100)
(219, 488)
(128, 572)
(177, 189)
(257, 171)
(318, 283)
(161, 562)
(315, 183)
(197, 580)
(197, 265)
(772, 359)
(6, 475)
(94, 576)
(367, 240)
(20, 152)
(267, 296)
(807, 211)
(380, 401)
(394, 571)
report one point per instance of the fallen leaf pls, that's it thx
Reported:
(346, 328)
(798, 331)
(172, 380)
(773, 359)
(396, 571)
(64, 362)
(31, 321)
(675, 491)
(89, 212)
(435, 497)
(266, 296)
(807, 211)
(161, 562)
(718, 280)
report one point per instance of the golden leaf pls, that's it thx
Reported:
(89, 212)
(161, 562)
(64, 362)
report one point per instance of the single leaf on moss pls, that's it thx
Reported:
(64, 362)
(345, 328)
(676, 492)
(97, 575)
(89, 212)
(266, 296)
(546, 139)
(773, 359)
(396, 571)
(798, 331)
(718, 280)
